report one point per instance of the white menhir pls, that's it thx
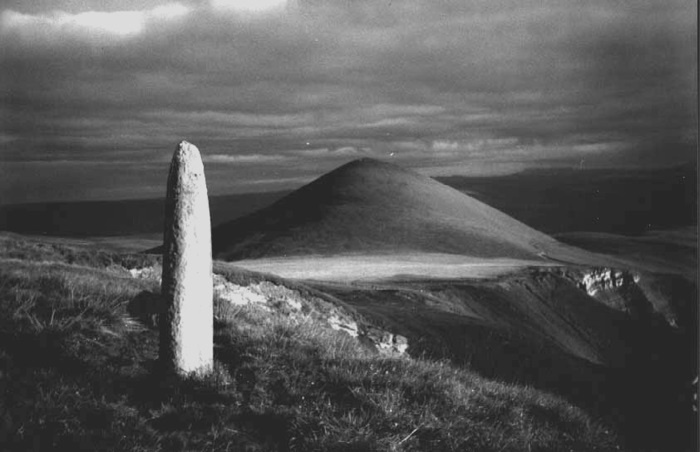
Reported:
(186, 326)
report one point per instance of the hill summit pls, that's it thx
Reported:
(369, 205)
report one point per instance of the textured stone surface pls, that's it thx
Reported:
(186, 326)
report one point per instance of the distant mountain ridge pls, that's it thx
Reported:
(628, 202)
(619, 201)
(372, 206)
(117, 218)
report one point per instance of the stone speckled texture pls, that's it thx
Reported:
(186, 326)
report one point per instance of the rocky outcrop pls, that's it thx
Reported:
(280, 299)
(616, 288)
(635, 293)
(154, 272)
(385, 342)
(348, 326)
(284, 300)
(186, 324)
(605, 279)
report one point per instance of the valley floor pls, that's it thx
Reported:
(348, 268)
(669, 251)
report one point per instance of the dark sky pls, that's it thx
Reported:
(95, 95)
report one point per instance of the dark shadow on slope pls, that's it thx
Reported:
(545, 332)
(43, 350)
(146, 308)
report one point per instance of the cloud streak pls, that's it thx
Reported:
(93, 26)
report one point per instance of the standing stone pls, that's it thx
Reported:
(186, 324)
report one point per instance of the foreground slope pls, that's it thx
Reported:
(372, 206)
(78, 373)
(576, 332)
(627, 351)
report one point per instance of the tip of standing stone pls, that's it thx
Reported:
(186, 151)
(186, 146)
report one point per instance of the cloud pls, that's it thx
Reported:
(250, 6)
(344, 152)
(99, 26)
(452, 84)
(232, 118)
(243, 159)
(474, 146)
(123, 23)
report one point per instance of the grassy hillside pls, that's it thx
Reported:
(368, 205)
(77, 372)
